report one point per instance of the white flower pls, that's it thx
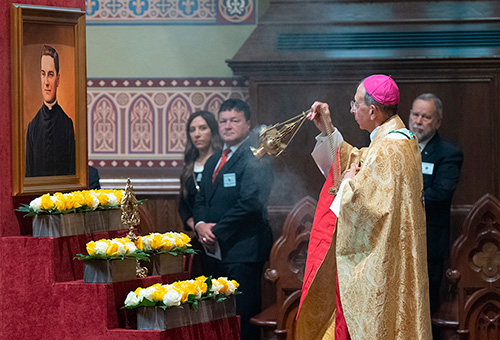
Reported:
(172, 298)
(231, 288)
(101, 247)
(146, 243)
(95, 201)
(130, 247)
(112, 200)
(131, 300)
(216, 286)
(147, 293)
(35, 204)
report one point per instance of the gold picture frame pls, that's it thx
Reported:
(63, 30)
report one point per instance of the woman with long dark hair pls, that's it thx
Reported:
(203, 140)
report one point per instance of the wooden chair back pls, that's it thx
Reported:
(475, 269)
(286, 269)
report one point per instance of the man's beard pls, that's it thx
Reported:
(422, 136)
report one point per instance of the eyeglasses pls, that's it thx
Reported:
(354, 105)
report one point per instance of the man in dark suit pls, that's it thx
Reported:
(441, 164)
(230, 212)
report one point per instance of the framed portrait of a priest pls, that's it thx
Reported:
(49, 116)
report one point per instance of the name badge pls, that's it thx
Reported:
(229, 180)
(427, 168)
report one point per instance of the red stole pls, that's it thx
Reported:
(319, 242)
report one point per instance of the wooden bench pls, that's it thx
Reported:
(472, 311)
(286, 270)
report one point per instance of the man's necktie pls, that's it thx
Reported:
(223, 161)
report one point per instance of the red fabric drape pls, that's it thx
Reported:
(44, 296)
(319, 242)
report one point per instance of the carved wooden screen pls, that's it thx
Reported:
(287, 264)
(475, 263)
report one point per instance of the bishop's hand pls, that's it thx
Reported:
(320, 115)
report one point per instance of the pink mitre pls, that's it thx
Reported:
(382, 88)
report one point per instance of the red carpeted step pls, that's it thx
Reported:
(44, 296)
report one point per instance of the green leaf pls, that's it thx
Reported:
(137, 255)
(220, 297)
(147, 303)
(194, 305)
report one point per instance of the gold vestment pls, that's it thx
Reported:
(380, 248)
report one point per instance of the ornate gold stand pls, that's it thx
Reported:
(131, 218)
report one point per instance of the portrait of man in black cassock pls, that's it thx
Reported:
(50, 139)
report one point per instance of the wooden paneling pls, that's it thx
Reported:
(304, 51)
(159, 214)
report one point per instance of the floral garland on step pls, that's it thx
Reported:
(113, 249)
(154, 243)
(182, 292)
(73, 202)
(171, 242)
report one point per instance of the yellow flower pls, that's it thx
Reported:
(202, 286)
(138, 243)
(59, 202)
(78, 198)
(223, 283)
(157, 241)
(91, 248)
(177, 240)
(137, 291)
(185, 288)
(185, 239)
(46, 202)
(167, 243)
(159, 293)
(88, 198)
(112, 249)
(119, 195)
(235, 283)
(60, 205)
(102, 197)
(71, 202)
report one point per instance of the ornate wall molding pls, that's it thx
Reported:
(140, 123)
(170, 12)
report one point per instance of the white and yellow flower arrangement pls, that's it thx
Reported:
(73, 202)
(152, 244)
(179, 293)
(171, 242)
(113, 249)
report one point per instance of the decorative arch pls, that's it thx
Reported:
(141, 126)
(178, 111)
(103, 123)
(213, 104)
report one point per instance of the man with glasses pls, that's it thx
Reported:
(375, 214)
(441, 164)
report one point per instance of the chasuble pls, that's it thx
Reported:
(378, 249)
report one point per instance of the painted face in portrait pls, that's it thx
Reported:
(424, 120)
(200, 133)
(49, 78)
(233, 127)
